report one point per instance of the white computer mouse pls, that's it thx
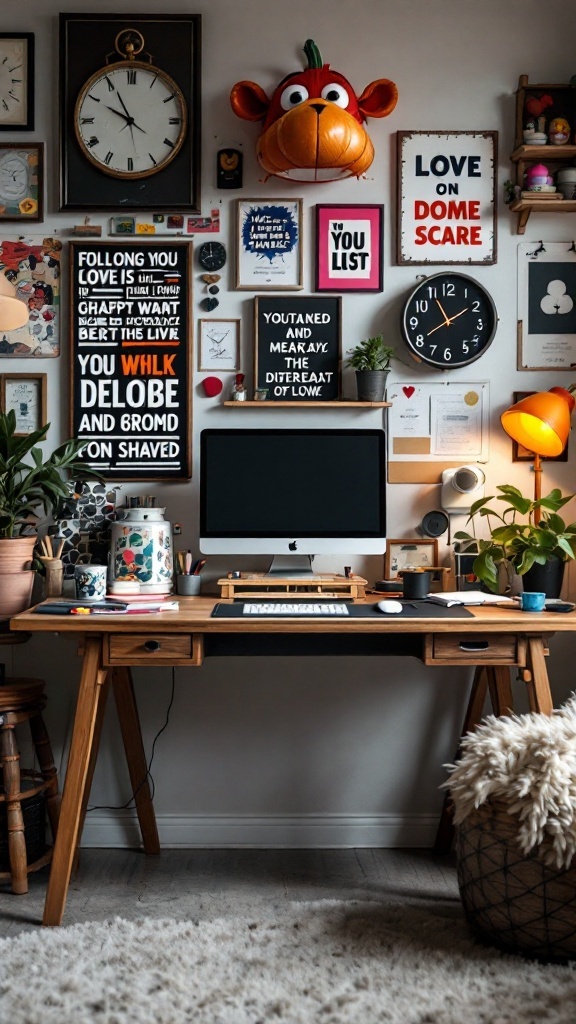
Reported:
(389, 607)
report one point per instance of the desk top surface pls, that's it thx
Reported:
(194, 615)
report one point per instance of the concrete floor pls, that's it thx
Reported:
(216, 883)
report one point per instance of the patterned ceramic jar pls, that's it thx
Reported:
(141, 549)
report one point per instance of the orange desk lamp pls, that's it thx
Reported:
(541, 423)
(13, 312)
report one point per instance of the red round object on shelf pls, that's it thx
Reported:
(212, 386)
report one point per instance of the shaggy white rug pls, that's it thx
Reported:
(328, 962)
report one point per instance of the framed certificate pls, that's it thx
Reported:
(25, 395)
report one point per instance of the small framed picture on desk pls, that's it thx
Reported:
(409, 553)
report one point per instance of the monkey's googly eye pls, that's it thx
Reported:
(335, 93)
(293, 96)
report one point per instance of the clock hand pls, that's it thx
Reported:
(457, 315)
(446, 320)
(129, 120)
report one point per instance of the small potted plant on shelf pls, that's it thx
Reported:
(371, 361)
(529, 539)
(26, 489)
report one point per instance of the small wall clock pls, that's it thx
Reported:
(130, 109)
(449, 320)
(212, 255)
(16, 81)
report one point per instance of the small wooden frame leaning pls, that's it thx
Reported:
(409, 553)
(25, 394)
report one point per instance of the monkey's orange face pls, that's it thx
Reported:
(315, 141)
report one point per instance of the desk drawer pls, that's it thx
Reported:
(149, 648)
(473, 649)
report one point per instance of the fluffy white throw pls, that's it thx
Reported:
(529, 762)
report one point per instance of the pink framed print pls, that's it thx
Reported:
(349, 242)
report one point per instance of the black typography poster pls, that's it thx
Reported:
(297, 352)
(130, 351)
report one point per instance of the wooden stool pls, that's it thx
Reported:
(23, 700)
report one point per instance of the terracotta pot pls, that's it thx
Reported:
(16, 576)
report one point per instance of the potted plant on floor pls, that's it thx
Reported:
(371, 361)
(535, 549)
(26, 489)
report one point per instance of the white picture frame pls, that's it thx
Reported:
(25, 395)
(219, 345)
(546, 306)
(446, 197)
(269, 244)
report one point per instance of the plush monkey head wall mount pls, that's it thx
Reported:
(313, 128)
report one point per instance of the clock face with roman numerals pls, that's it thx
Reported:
(130, 119)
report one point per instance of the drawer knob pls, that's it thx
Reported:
(474, 645)
(152, 645)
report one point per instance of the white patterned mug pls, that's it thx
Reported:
(90, 581)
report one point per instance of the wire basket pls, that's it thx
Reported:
(511, 900)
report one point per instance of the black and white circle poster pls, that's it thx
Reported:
(547, 305)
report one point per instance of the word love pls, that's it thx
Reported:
(443, 165)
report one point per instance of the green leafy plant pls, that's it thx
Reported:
(522, 541)
(28, 487)
(371, 354)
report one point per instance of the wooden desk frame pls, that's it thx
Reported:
(493, 641)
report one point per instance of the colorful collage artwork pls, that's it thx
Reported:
(33, 266)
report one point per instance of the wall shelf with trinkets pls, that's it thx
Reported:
(562, 105)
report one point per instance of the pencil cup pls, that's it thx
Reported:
(90, 582)
(54, 578)
(188, 586)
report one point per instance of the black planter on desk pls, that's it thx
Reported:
(545, 578)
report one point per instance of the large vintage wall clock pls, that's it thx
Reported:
(449, 320)
(130, 110)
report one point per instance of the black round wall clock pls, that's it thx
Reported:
(449, 320)
(212, 255)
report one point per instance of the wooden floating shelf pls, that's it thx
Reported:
(537, 152)
(269, 404)
(524, 207)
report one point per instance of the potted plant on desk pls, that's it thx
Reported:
(26, 488)
(371, 361)
(530, 540)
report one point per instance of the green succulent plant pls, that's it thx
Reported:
(522, 541)
(371, 354)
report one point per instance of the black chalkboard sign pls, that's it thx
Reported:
(297, 348)
(130, 352)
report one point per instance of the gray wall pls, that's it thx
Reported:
(319, 751)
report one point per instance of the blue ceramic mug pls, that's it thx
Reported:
(532, 601)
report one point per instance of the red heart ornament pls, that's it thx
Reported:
(408, 390)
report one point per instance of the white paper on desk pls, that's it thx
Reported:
(457, 425)
(469, 597)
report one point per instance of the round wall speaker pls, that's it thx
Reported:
(434, 524)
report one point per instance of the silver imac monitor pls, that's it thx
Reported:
(292, 494)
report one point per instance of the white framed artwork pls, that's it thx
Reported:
(219, 345)
(546, 305)
(269, 244)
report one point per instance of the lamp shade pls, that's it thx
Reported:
(541, 422)
(13, 313)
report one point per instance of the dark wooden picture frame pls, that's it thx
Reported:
(131, 358)
(41, 380)
(290, 373)
(340, 264)
(522, 454)
(30, 207)
(27, 124)
(173, 42)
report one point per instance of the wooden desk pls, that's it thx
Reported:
(493, 640)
